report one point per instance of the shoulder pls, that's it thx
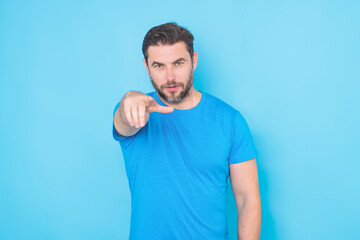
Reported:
(217, 104)
(151, 94)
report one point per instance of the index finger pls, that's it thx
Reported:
(153, 106)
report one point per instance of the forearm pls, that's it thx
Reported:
(249, 220)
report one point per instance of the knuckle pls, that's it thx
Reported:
(142, 104)
(133, 106)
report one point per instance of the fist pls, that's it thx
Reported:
(137, 107)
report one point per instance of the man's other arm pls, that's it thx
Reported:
(245, 186)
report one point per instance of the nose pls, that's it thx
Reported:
(170, 76)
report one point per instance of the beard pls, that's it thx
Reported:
(172, 98)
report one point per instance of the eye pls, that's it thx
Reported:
(179, 63)
(157, 66)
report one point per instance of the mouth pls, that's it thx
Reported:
(172, 88)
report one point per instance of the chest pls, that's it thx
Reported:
(199, 144)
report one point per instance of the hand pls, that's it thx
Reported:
(137, 107)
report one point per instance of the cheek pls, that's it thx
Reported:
(158, 78)
(183, 72)
(154, 75)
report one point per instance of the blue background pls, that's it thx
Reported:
(290, 67)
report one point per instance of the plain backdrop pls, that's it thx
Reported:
(290, 67)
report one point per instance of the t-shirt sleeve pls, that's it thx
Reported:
(242, 146)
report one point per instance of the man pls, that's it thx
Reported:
(180, 145)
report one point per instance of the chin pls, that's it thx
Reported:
(173, 99)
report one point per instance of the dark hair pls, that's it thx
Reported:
(168, 33)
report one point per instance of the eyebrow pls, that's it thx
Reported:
(177, 60)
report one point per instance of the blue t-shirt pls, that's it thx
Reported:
(177, 166)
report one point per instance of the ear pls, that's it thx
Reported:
(195, 57)
(146, 66)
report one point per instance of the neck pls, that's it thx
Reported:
(190, 101)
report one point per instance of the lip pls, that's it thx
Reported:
(172, 89)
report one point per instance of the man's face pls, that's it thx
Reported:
(171, 70)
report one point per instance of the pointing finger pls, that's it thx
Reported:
(158, 108)
(153, 106)
(150, 101)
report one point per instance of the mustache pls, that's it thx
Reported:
(173, 83)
